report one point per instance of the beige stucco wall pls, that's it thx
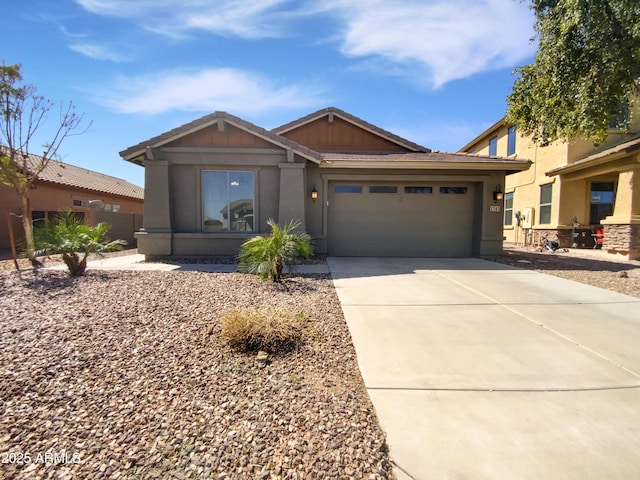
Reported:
(571, 192)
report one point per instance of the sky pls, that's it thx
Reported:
(436, 72)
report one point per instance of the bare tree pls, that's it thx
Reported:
(22, 114)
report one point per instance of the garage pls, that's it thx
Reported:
(400, 219)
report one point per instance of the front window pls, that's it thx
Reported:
(545, 203)
(493, 147)
(228, 201)
(602, 195)
(511, 141)
(508, 209)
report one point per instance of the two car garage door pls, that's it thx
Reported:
(400, 219)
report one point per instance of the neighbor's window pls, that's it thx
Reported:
(493, 147)
(420, 190)
(602, 195)
(620, 119)
(508, 209)
(383, 189)
(545, 203)
(227, 201)
(453, 190)
(348, 189)
(511, 141)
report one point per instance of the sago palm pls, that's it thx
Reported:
(75, 240)
(268, 256)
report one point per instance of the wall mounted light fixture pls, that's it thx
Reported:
(497, 194)
(314, 194)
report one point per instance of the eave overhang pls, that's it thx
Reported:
(608, 156)
(140, 152)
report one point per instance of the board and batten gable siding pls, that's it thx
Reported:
(339, 135)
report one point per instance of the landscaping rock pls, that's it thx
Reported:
(123, 375)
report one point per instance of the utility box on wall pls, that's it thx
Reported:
(528, 214)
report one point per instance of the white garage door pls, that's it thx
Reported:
(400, 219)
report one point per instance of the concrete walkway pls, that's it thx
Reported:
(482, 371)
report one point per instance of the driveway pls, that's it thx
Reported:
(482, 371)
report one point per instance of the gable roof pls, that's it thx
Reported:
(326, 112)
(135, 153)
(68, 175)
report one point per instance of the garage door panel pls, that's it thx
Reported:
(388, 224)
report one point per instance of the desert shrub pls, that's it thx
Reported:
(70, 236)
(272, 329)
(267, 256)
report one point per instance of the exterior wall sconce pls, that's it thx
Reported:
(314, 194)
(497, 194)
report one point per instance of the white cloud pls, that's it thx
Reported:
(241, 18)
(206, 90)
(436, 41)
(431, 42)
(99, 52)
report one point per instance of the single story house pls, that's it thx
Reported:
(358, 190)
(94, 196)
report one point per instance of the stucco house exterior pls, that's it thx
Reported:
(573, 190)
(356, 189)
(94, 196)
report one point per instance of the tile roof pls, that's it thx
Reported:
(64, 174)
(420, 157)
(133, 152)
(352, 119)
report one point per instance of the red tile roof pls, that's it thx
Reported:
(65, 174)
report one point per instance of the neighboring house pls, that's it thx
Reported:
(356, 189)
(94, 196)
(573, 190)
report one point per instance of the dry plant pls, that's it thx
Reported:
(273, 329)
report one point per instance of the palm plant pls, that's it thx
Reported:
(267, 256)
(70, 236)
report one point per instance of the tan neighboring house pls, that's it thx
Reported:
(573, 190)
(94, 196)
(357, 189)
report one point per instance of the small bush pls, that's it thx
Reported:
(272, 329)
(268, 256)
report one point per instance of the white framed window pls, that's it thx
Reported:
(508, 209)
(511, 141)
(227, 201)
(493, 147)
(546, 194)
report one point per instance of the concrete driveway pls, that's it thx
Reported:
(482, 371)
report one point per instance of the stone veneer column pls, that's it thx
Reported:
(622, 229)
(292, 194)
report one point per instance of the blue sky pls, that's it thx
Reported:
(434, 71)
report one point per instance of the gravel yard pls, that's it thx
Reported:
(622, 277)
(122, 375)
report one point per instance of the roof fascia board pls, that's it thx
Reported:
(521, 166)
(216, 121)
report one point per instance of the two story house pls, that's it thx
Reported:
(573, 190)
